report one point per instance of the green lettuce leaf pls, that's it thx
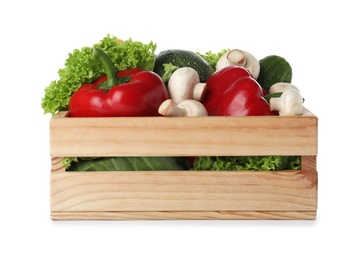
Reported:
(254, 163)
(129, 164)
(212, 57)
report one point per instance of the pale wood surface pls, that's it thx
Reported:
(308, 163)
(186, 136)
(184, 194)
(77, 196)
(184, 191)
(56, 165)
(181, 215)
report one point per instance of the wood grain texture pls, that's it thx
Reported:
(183, 194)
(183, 215)
(308, 163)
(187, 136)
(56, 165)
(184, 191)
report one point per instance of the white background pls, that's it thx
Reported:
(322, 40)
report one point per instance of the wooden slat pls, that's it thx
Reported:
(56, 164)
(184, 191)
(187, 215)
(308, 163)
(161, 136)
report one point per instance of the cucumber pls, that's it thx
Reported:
(274, 69)
(182, 58)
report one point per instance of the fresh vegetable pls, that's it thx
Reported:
(274, 69)
(240, 58)
(281, 87)
(184, 84)
(130, 164)
(169, 69)
(255, 163)
(290, 103)
(182, 58)
(212, 57)
(81, 68)
(186, 92)
(132, 92)
(232, 91)
(188, 107)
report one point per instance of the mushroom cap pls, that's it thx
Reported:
(189, 107)
(281, 87)
(240, 58)
(193, 108)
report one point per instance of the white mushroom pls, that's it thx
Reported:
(281, 87)
(290, 103)
(240, 58)
(189, 107)
(185, 84)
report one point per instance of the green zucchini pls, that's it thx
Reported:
(182, 58)
(274, 69)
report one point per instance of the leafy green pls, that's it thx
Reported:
(81, 67)
(130, 164)
(212, 58)
(169, 69)
(204, 163)
(254, 163)
(67, 161)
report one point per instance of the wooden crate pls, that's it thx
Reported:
(183, 194)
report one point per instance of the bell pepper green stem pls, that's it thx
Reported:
(111, 70)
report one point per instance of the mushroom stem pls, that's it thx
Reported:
(236, 57)
(185, 84)
(187, 107)
(240, 58)
(199, 91)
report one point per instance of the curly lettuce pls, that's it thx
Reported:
(247, 163)
(213, 57)
(81, 67)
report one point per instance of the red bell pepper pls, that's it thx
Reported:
(132, 92)
(232, 91)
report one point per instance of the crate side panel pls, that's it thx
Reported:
(57, 165)
(308, 163)
(184, 191)
(189, 215)
(160, 136)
